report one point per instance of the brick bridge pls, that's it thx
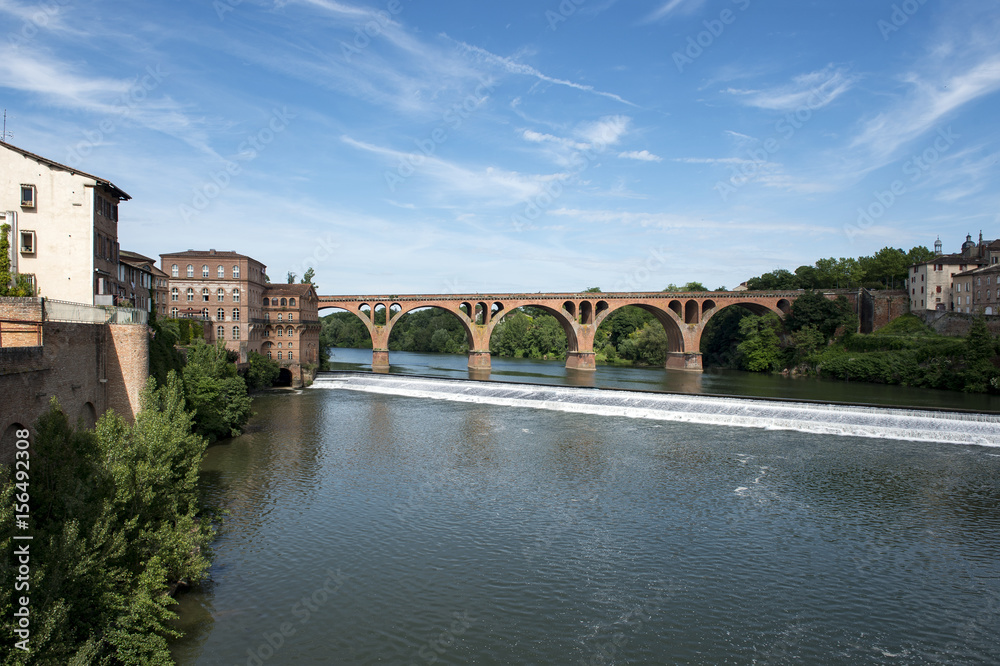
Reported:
(683, 315)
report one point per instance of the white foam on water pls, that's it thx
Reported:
(818, 418)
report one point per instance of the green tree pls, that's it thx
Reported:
(307, 278)
(262, 372)
(760, 350)
(215, 392)
(694, 286)
(592, 290)
(980, 372)
(11, 285)
(814, 309)
(779, 279)
(291, 277)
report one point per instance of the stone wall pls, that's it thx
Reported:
(957, 324)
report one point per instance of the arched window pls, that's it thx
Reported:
(220, 332)
(269, 353)
(173, 271)
(204, 271)
(236, 295)
(267, 332)
(173, 313)
(204, 294)
(290, 345)
(279, 356)
(281, 331)
(291, 316)
(236, 332)
(220, 294)
(290, 358)
(289, 331)
(190, 294)
(284, 301)
(279, 316)
(190, 270)
(291, 301)
(236, 314)
(220, 314)
(220, 272)
(267, 301)
(204, 314)
(279, 345)
(173, 294)
(274, 301)
(236, 272)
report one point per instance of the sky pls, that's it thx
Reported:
(408, 146)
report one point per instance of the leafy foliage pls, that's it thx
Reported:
(115, 520)
(262, 372)
(760, 350)
(214, 391)
(11, 285)
(886, 269)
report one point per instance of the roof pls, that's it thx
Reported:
(135, 256)
(949, 259)
(282, 289)
(994, 268)
(121, 194)
(220, 254)
(158, 273)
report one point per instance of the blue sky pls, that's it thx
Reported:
(401, 146)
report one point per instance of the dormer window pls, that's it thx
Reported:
(27, 196)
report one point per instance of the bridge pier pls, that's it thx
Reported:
(581, 361)
(479, 360)
(380, 360)
(684, 361)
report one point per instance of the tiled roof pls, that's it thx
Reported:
(220, 254)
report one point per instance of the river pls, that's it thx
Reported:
(370, 528)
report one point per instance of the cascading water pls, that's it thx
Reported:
(822, 418)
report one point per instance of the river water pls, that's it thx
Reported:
(372, 528)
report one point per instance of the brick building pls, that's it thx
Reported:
(291, 334)
(932, 283)
(223, 289)
(64, 227)
(135, 274)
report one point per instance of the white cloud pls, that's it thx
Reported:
(641, 155)
(810, 91)
(674, 6)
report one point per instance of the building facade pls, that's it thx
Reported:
(64, 227)
(223, 289)
(135, 274)
(934, 284)
(976, 291)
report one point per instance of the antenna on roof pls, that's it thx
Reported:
(5, 135)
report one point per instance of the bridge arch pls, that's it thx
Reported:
(670, 319)
(754, 307)
(565, 319)
(457, 313)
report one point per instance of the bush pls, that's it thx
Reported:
(262, 372)
(215, 392)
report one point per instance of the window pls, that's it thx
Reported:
(291, 316)
(269, 353)
(236, 295)
(236, 271)
(979, 281)
(190, 270)
(267, 301)
(939, 289)
(173, 271)
(220, 295)
(289, 331)
(284, 302)
(204, 314)
(291, 301)
(173, 294)
(279, 316)
(173, 313)
(220, 314)
(290, 356)
(28, 196)
(236, 332)
(190, 294)
(267, 332)
(220, 272)
(279, 345)
(27, 242)
(236, 314)
(220, 332)
(204, 294)
(279, 356)
(274, 301)
(204, 271)
(281, 331)
(290, 345)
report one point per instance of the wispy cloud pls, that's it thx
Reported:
(674, 7)
(805, 91)
(669, 221)
(513, 67)
(640, 155)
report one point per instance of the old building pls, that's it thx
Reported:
(135, 274)
(291, 334)
(931, 283)
(64, 227)
(161, 291)
(224, 289)
(975, 291)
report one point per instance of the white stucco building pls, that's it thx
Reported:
(64, 227)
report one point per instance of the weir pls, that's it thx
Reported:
(918, 425)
